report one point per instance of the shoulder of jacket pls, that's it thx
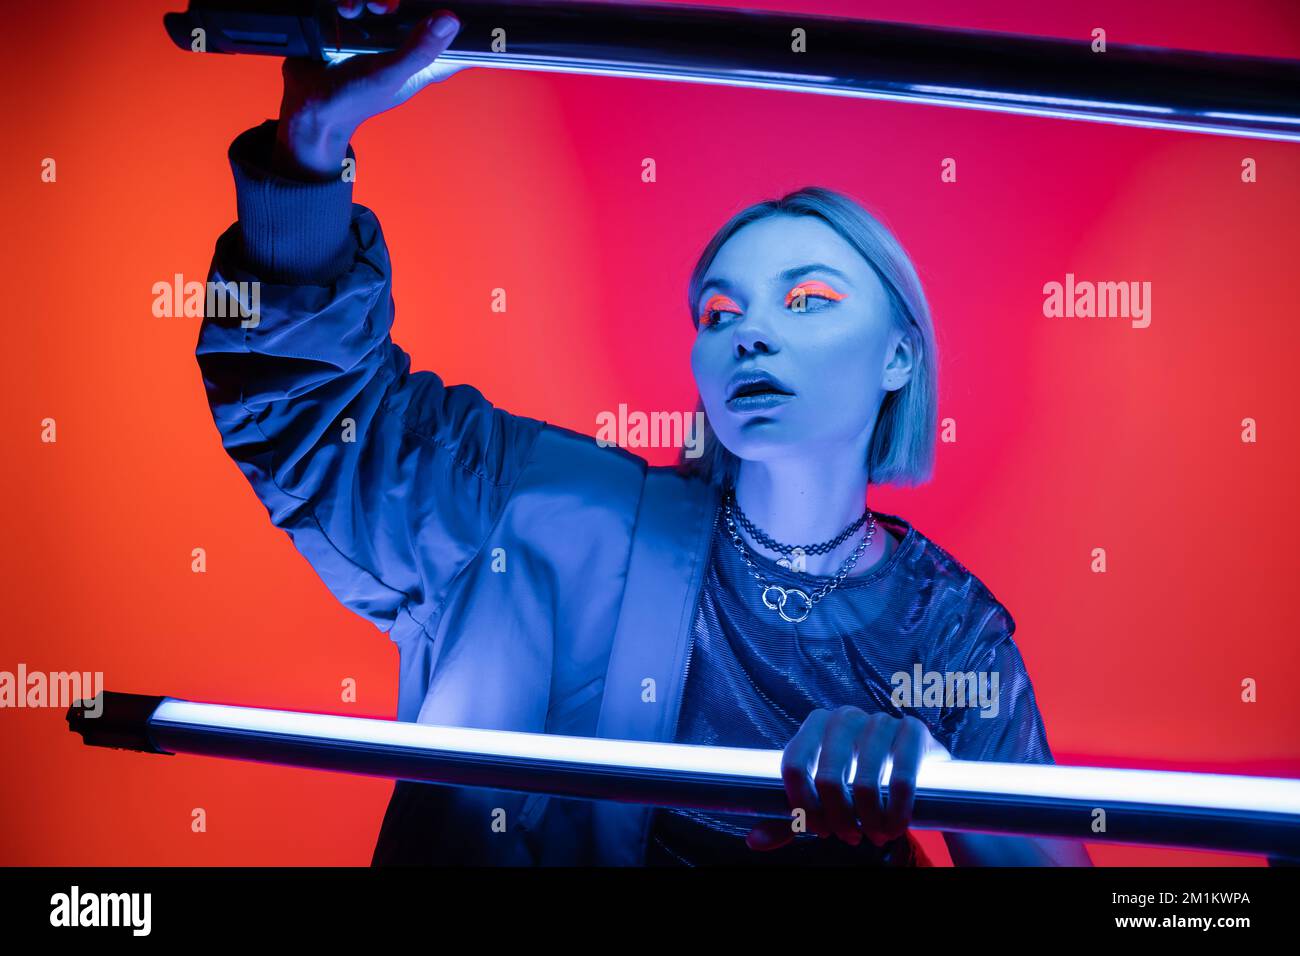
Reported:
(576, 472)
(985, 620)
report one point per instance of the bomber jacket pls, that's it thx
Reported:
(531, 578)
(602, 553)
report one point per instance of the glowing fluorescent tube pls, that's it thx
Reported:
(793, 52)
(1212, 811)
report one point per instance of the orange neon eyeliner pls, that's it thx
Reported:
(717, 301)
(814, 287)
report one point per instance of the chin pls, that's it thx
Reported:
(759, 440)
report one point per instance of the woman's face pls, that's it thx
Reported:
(830, 363)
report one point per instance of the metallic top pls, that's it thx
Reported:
(753, 678)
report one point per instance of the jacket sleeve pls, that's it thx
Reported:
(385, 479)
(1005, 725)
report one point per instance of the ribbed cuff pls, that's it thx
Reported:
(293, 231)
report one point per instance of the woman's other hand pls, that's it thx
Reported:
(324, 104)
(816, 765)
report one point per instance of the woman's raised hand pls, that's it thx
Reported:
(325, 103)
(816, 766)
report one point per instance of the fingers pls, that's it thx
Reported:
(410, 68)
(770, 835)
(908, 748)
(874, 743)
(351, 9)
(834, 764)
(832, 769)
(798, 762)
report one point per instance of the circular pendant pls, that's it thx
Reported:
(782, 598)
(807, 606)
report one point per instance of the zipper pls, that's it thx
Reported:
(690, 646)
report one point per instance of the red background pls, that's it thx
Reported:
(1072, 433)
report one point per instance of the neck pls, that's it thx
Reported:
(802, 501)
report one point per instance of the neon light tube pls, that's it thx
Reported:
(1131, 85)
(1210, 811)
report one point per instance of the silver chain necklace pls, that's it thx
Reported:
(776, 597)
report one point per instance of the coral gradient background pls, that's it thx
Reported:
(1072, 434)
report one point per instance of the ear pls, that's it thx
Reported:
(900, 365)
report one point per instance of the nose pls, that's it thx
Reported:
(753, 334)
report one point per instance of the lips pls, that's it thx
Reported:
(756, 382)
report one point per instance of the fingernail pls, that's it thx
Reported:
(446, 26)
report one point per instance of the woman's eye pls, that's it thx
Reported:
(715, 308)
(801, 296)
(810, 303)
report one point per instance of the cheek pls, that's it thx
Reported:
(704, 366)
(830, 361)
(839, 372)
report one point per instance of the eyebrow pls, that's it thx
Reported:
(789, 275)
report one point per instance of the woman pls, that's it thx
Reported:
(534, 580)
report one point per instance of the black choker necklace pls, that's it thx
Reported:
(759, 535)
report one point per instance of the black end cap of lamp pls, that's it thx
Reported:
(122, 721)
(284, 28)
